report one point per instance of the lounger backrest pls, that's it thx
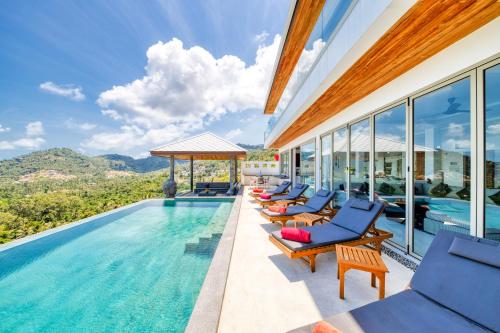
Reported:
(320, 200)
(282, 187)
(464, 285)
(297, 190)
(355, 219)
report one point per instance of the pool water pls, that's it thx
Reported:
(139, 270)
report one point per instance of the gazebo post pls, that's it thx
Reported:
(192, 171)
(235, 169)
(231, 174)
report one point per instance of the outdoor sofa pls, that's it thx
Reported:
(353, 224)
(456, 288)
(218, 187)
(317, 204)
(295, 195)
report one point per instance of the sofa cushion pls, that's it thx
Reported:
(473, 250)
(321, 235)
(356, 220)
(465, 286)
(406, 311)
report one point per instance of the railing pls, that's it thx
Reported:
(329, 22)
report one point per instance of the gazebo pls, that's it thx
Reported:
(205, 146)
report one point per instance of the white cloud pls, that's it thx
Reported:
(261, 38)
(182, 91)
(31, 140)
(4, 129)
(494, 129)
(456, 129)
(453, 145)
(233, 133)
(67, 90)
(71, 124)
(34, 128)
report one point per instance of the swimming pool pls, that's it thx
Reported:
(138, 269)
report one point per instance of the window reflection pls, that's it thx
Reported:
(492, 153)
(307, 165)
(285, 164)
(390, 170)
(326, 161)
(359, 164)
(339, 166)
(441, 163)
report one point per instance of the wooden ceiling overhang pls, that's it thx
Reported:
(427, 28)
(305, 16)
(212, 156)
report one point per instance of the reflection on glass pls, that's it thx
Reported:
(326, 161)
(359, 164)
(492, 153)
(390, 170)
(285, 164)
(441, 163)
(339, 167)
(307, 163)
(327, 24)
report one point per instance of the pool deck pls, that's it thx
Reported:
(268, 292)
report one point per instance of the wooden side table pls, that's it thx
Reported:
(285, 203)
(307, 218)
(366, 260)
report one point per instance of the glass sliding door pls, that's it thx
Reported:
(339, 167)
(285, 164)
(359, 160)
(307, 166)
(492, 153)
(390, 170)
(326, 162)
(441, 162)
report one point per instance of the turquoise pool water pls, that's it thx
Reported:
(138, 270)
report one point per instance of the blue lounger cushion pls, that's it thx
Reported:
(357, 220)
(320, 200)
(281, 188)
(473, 250)
(361, 204)
(468, 287)
(321, 235)
(406, 311)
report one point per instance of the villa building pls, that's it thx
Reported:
(396, 101)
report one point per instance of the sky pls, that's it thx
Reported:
(109, 76)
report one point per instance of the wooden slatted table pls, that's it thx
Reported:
(308, 219)
(366, 260)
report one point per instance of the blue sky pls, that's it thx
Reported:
(125, 76)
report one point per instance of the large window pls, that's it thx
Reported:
(359, 163)
(326, 162)
(339, 166)
(285, 164)
(492, 152)
(442, 165)
(390, 170)
(307, 166)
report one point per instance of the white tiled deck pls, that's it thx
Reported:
(268, 292)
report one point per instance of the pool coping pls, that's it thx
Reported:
(206, 312)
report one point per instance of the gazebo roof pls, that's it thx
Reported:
(205, 146)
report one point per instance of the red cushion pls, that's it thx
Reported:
(324, 327)
(258, 190)
(295, 234)
(265, 196)
(277, 209)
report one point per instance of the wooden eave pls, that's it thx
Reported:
(426, 29)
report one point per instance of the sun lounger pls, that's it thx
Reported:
(280, 189)
(455, 289)
(295, 195)
(353, 224)
(315, 205)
